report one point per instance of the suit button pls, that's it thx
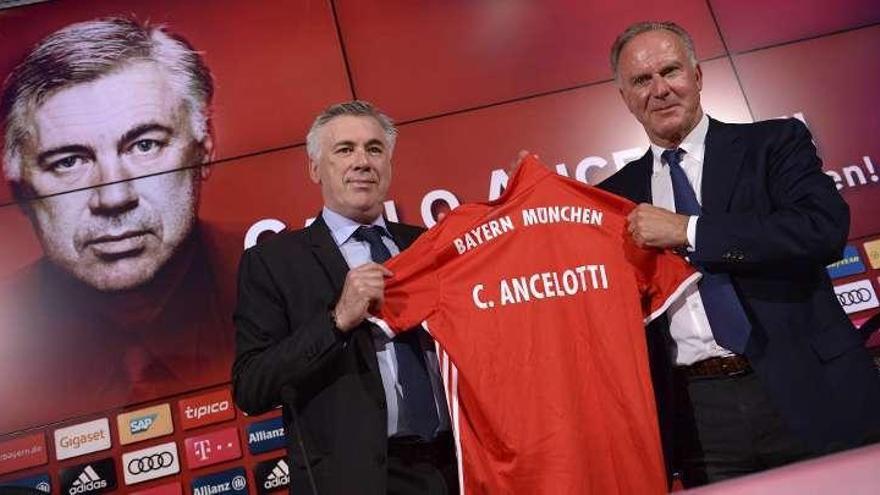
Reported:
(380, 459)
(383, 407)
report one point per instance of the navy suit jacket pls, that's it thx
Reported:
(773, 220)
(289, 353)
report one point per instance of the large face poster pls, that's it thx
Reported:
(145, 145)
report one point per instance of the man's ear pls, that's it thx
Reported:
(207, 152)
(698, 73)
(313, 172)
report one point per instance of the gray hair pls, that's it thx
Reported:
(643, 27)
(355, 108)
(86, 51)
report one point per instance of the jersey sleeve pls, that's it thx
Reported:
(411, 294)
(662, 277)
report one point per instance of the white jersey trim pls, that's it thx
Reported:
(449, 375)
(683, 286)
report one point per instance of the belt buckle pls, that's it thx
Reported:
(724, 369)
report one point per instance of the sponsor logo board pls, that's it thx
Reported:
(82, 439)
(266, 435)
(230, 482)
(211, 448)
(872, 249)
(40, 482)
(92, 477)
(272, 475)
(23, 452)
(856, 296)
(143, 424)
(206, 409)
(167, 489)
(150, 463)
(850, 264)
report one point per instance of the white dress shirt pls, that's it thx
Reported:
(687, 318)
(356, 253)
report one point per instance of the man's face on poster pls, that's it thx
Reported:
(112, 232)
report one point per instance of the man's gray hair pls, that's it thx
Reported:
(86, 51)
(355, 108)
(643, 27)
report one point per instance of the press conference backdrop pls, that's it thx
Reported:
(470, 83)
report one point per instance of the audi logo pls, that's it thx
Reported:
(854, 296)
(151, 462)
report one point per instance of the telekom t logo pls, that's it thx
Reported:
(211, 448)
(202, 449)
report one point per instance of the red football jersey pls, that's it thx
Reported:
(538, 302)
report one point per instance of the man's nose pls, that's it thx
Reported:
(360, 158)
(116, 191)
(659, 86)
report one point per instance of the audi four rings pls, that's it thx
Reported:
(150, 462)
(854, 296)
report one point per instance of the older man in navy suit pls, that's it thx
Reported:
(759, 366)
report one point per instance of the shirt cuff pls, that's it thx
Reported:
(692, 233)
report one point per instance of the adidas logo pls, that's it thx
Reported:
(280, 476)
(87, 481)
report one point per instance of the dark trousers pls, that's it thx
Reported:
(726, 427)
(422, 469)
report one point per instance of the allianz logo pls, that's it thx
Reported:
(202, 411)
(280, 476)
(141, 424)
(263, 435)
(237, 483)
(87, 481)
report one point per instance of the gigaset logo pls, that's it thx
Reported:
(82, 439)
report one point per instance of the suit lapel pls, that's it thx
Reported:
(642, 170)
(327, 252)
(721, 163)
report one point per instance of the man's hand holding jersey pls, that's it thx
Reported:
(364, 290)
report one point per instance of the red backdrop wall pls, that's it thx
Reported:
(470, 82)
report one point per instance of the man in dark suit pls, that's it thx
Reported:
(759, 366)
(364, 414)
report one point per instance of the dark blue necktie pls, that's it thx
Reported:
(726, 316)
(419, 410)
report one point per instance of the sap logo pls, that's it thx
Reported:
(93, 477)
(142, 424)
(145, 423)
(230, 482)
(202, 411)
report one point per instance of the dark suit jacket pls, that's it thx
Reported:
(289, 353)
(773, 220)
